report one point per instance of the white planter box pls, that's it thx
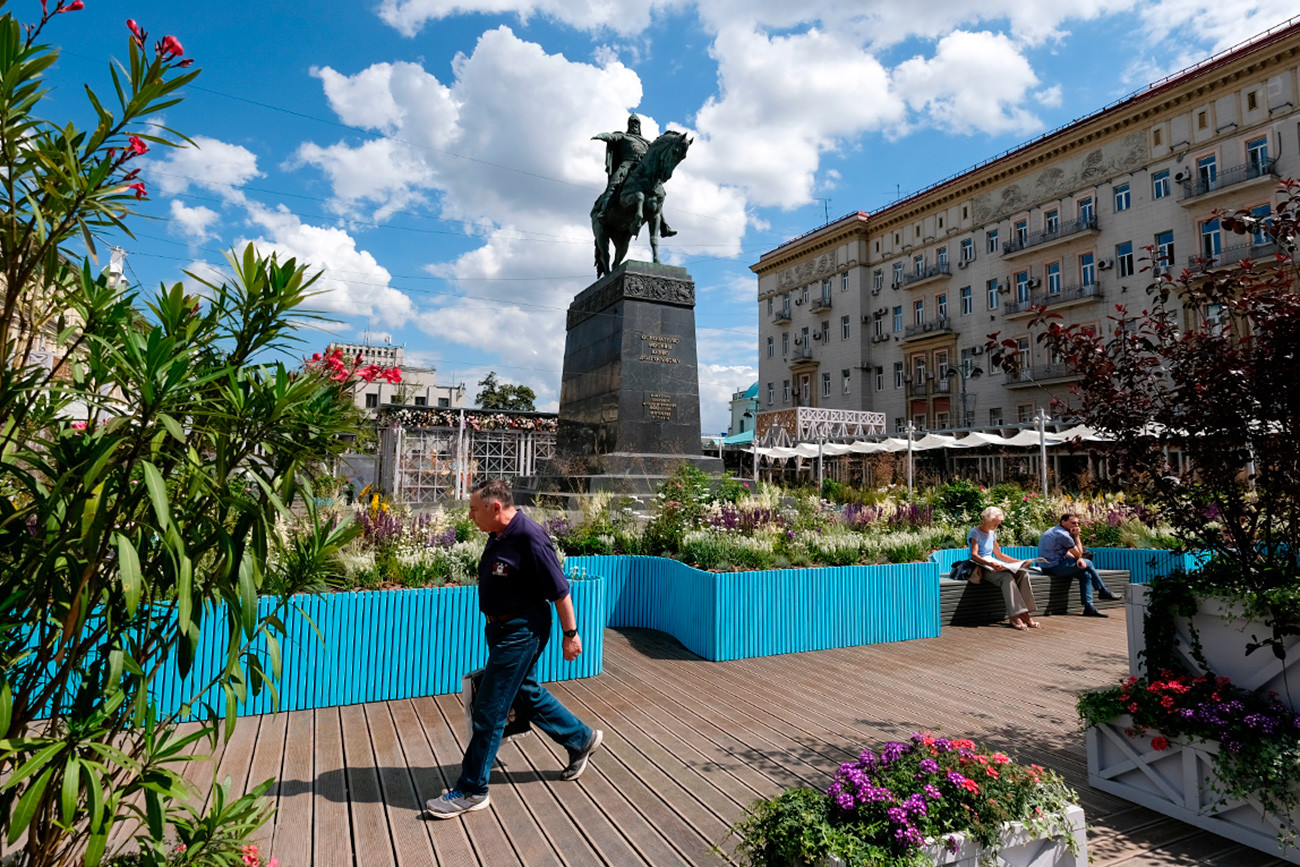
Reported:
(1019, 849)
(1224, 637)
(1178, 782)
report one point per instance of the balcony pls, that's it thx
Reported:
(1048, 238)
(1040, 374)
(799, 354)
(822, 303)
(780, 317)
(931, 386)
(1231, 256)
(933, 328)
(1201, 187)
(941, 269)
(1085, 292)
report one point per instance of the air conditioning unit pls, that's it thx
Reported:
(1105, 264)
(817, 335)
(875, 291)
(798, 341)
(1003, 289)
(1182, 175)
(976, 350)
(962, 263)
(866, 317)
(798, 301)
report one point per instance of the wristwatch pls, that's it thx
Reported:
(570, 633)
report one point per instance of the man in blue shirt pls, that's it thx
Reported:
(519, 577)
(1062, 554)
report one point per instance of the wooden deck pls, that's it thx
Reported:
(687, 744)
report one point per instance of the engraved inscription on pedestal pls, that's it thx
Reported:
(659, 407)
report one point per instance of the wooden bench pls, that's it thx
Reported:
(962, 603)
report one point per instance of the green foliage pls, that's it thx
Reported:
(142, 474)
(504, 396)
(679, 508)
(959, 500)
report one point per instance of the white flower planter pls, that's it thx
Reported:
(1224, 637)
(1178, 782)
(1019, 849)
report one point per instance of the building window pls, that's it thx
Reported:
(826, 384)
(941, 364)
(1165, 249)
(898, 273)
(771, 347)
(878, 280)
(1054, 278)
(995, 416)
(785, 304)
(918, 421)
(880, 378)
(1157, 137)
(1052, 222)
(992, 289)
(846, 379)
(1211, 242)
(1086, 214)
(1087, 269)
(991, 240)
(1202, 120)
(878, 324)
(1160, 184)
(1252, 101)
(941, 306)
(844, 282)
(444, 402)
(1024, 412)
(1124, 259)
(1022, 287)
(1122, 197)
(1207, 172)
(785, 391)
(803, 294)
(1022, 232)
(898, 374)
(941, 420)
(421, 400)
(771, 393)
(967, 301)
(1257, 156)
(372, 400)
(898, 318)
(967, 250)
(785, 342)
(769, 306)
(941, 257)
(1263, 221)
(826, 331)
(844, 328)
(826, 289)
(918, 311)
(918, 265)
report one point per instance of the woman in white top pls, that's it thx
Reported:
(987, 554)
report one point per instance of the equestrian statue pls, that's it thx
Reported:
(634, 196)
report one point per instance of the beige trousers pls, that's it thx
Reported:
(1016, 590)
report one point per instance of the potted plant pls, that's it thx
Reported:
(926, 801)
(1205, 367)
(1198, 748)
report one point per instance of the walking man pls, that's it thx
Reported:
(519, 577)
(1062, 552)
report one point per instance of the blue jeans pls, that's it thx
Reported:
(513, 648)
(1089, 580)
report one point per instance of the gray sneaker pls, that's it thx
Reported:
(578, 761)
(453, 803)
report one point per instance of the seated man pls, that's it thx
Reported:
(1062, 555)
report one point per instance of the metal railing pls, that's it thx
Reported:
(1065, 230)
(940, 269)
(821, 303)
(1040, 373)
(1232, 255)
(1047, 299)
(934, 326)
(1229, 177)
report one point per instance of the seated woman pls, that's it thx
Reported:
(987, 554)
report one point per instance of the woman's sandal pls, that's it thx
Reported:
(1033, 624)
(1016, 624)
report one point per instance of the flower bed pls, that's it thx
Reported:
(929, 800)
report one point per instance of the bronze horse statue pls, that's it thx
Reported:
(639, 201)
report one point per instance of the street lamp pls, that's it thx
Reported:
(966, 370)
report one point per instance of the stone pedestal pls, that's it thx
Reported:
(630, 396)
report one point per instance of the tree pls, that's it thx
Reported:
(504, 396)
(148, 446)
(1210, 365)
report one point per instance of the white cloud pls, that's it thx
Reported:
(975, 82)
(620, 16)
(352, 283)
(210, 164)
(718, 382)
(196, 222)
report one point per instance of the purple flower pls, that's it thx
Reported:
(929, 766)
(892, 752)
(932, 792)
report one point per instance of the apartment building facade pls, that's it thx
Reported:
(890, 311)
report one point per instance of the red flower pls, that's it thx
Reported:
(170, 46)
(74, 6)
(136, 146)
(139, 189)
(1160, 743)
(392, 375)
(136, 33)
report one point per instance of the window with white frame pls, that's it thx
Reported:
(991, 241)
(941, 306)
(941, 364)
(941, 420)
(992, 294)
(1211, 241)
(1052, 222)
(1086, 213)
(844, 282)
(785, 342)
(826, 289)
(826, 384)
(898, 273)
(771, 347)
(785, 391)
(1165, 249)
(1257, 156)
(878, 280)
(769, 305)
(771, 393)
(1054, 278)
(878, 324)
(1160, 184)
(846, 380)
(918, 265)
(803, 294)
(941, 257)
(898, 374)
(967, 301)
(844, 328)
(1087, 269)
(1207, 172)
(898, 318)
(995, 416)
(1124, 259)
(826, 331)
(880, 378)
(967, 250)
(1022, 287)
(1024, 413)
(918, 311)
(1263, 215)
(1123, 197)
(1022, 232)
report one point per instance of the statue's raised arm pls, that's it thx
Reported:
(634, 194)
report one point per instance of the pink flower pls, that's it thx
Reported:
(392, 375)
(136, 146)
(170, 46)
(78, 425)
(185, 64)
(74, 6)
(139, 189)
(1160, 743)
(136, 33)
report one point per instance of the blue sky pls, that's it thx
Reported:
(433, 157)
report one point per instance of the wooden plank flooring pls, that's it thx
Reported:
(687, 744)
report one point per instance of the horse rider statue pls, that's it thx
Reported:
(623, 150)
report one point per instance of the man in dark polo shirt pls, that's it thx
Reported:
(519, 577)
